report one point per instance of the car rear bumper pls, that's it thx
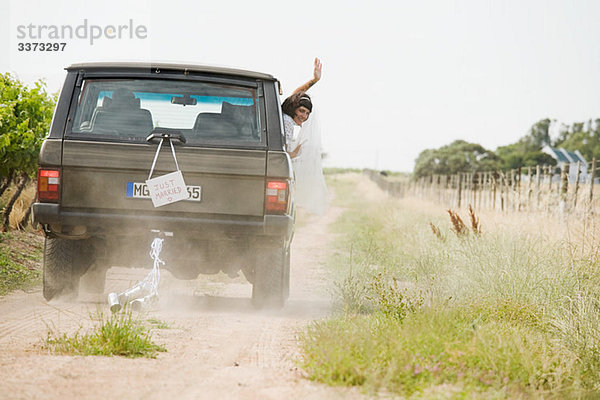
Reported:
(108, 221)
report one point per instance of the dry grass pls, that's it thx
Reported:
(512, 312)
(436, 231)
(458, 226)
(475, 227)
(21, 205)
(581, 230)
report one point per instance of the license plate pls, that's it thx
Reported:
(139, 190)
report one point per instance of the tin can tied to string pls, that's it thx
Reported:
(143, 294)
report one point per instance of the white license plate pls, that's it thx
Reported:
(139, 190)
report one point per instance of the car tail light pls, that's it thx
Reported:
(48, 185)
(276, 197)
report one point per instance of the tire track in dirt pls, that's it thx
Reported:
(28, 314)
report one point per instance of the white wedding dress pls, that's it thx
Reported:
(311, 190)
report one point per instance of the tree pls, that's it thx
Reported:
(534, 158)
(459, 156)
(516, 155)
(584, 137)
(527, 151)
(538, 137)
(25, 116)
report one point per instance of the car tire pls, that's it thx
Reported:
(64, 263)
(271, 282)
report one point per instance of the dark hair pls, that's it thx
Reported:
(300, 99)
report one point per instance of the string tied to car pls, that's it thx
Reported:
(164, 189)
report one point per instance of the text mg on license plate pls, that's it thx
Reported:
(139, 190)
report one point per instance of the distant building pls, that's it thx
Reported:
(571, 158)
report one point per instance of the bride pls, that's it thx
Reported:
(303, 144)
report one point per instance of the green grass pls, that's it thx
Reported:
(430, 349)
(158, 324)
(116, 335)
(20, 257)
(504, 314)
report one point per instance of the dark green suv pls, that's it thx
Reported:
(225, 126)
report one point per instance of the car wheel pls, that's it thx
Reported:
(64, 263)
(269, 288)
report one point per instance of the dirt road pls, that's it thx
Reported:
(218, 346)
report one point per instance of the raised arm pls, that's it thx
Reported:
(315, 79)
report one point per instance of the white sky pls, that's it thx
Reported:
(398, 76)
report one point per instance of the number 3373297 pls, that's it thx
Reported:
(41, 46)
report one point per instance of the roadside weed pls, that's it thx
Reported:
(117, 335)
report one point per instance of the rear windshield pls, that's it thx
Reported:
(205, 113)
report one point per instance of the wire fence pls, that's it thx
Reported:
(568, 188)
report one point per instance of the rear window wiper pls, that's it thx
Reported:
(164, 133)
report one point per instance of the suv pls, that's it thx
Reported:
(225, 126)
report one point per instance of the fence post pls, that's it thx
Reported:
(474, 188)
(446, 189)
(449, 190)
(550, 174)
(592, 175)
(459, 193)
(495, 189)
(429, 187)
(577, 176)
(484, 188)
(479, 189)
(457, 187)
(518, 185)
(510, 190)
(538, 179)
(564, 186)
(529, 188)
(502, 190)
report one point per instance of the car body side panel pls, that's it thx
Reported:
(51, 153)
(273, 117)
(279, 165)
(59, 120)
